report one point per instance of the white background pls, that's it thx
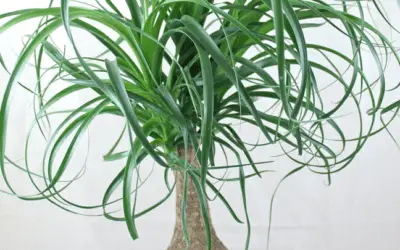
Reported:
(360, 210)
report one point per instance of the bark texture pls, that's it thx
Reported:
(195, 224)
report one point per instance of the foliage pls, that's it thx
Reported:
(241, 61)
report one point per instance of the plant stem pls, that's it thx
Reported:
(194, 219)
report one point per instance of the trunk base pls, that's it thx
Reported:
(197, 242)
(194, 218)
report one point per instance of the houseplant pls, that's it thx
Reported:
(247, 62)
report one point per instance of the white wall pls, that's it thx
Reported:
(360, 210)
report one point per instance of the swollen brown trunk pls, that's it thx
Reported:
(195, 224)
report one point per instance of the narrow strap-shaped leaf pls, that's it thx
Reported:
(204, 39)
(129, 112)
(113, 7)
(72, 145)
(280, 52)
(203, 207)
(22, 60)
(300, 39)
(136, 14)
(127, 183)
(208, 112)
(183, 209)
(132, 164)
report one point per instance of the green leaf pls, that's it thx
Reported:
(127, 108)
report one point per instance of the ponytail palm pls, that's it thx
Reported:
(182, 73)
